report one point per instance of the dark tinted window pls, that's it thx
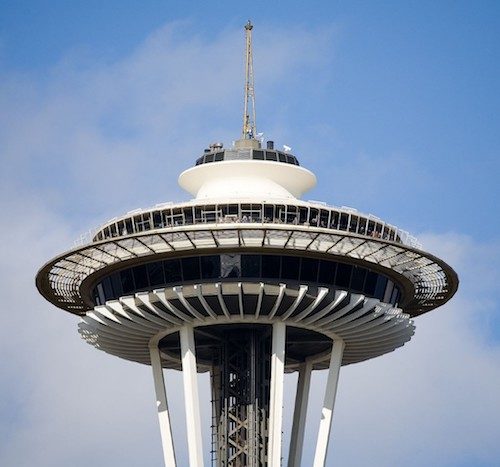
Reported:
(271, 266)
(140, 277)
(250, 265)
(108, 291)
(127, 281)
(172, 270)
(358, 278)
(258, 155)
(219, 156)
(370, 283)
(116, 283)
(230, 265)
(271, 156)
(309, 270)
(155, 273)
(209, 158)
(190, 269)
(290, 267)
(327, 272)
(380, 287)
(343, 275)
(210, 266)
(281, 157)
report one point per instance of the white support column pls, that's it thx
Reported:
(192, 401)
(161, 402)
(299, 414)
(328, 404)
(276, 394)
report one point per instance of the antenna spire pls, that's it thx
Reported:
(249, 129)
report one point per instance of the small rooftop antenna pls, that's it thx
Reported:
(249, 130)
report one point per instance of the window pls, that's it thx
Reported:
(290, 267)
(358, 278)
(140, 277)
(250, 265)
(258, 155)
(343, 275)
(127, 281)
(219, 156)
(155, 273)
(271, 156)
(327, 272)
(281, 157)
(271, 266)
(230, 265)
(210, 266)
(190, 268)
(172, 270)
(309, 270)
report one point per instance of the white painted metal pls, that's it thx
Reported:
(191, 397)
(162, 406)
(328, 404)
(247, 179)
(276, 394)
(122, 328)
(299, 414)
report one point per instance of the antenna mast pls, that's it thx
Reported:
(249, 130)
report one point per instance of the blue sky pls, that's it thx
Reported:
(394, 105)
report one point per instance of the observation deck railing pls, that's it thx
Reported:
(169, 216)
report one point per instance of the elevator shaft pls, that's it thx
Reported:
(240, 378)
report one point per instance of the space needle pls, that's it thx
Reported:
(247, 281)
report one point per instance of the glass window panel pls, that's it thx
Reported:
(116, 283)
(172, 270)
(314, 217)
(334, 223)
(323, 218)
(309, 270)
(343, 221)
(362, 226)
(108, 290)
(155, 273)
(370, 283)
(290, 159)
(290, 267)
(268, 213)
(258, 155)
(190, 268)
(327, 271)
(140, 277)
(157, 221)
(358, 278)
(129, 226)
(250, 265)
(219, 156)
(230, 265)
(209, 158)
(343, 277)
(100, 293)
(380, 287)
(353, 224)
(210, 266)
(271, 156)
(271, 266)
(127, 281)
(281, 157)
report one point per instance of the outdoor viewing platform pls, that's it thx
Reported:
(301, 214)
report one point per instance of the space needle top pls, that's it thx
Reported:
(248, 281)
